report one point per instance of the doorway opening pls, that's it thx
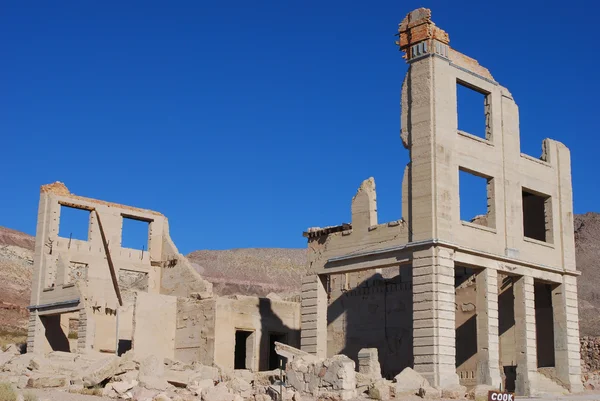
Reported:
(244, 349)
(273, 357)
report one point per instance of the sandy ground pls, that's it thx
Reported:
(57, 395)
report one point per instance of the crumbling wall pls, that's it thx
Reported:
(195, 330)
(372, 309)
(262, 317)
(154, 325)
(179, 278)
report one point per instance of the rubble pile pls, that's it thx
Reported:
(149, 378)
(590, 362)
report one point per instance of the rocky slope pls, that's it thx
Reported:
(16, 261)
(265, 270)
(252, 271)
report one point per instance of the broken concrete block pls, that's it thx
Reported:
(152, 366)
(363, 382)
(143, 394)
(480, 392)
(153, 382)
(409, 382)
(240, 386)
(429, 392)
(100, 370)
(368, 362)
(454, 393)
(218, 393)
(45, 381)
(162, 397)
(198, 386)
(123, 386)
(380, 390)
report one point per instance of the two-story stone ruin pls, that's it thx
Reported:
(96, 294)
(487, 301)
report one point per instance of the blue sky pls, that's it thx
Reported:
(247, 122)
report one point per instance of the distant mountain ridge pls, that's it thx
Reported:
(260, 271)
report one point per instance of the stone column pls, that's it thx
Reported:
(525, 335)
(488, 348)
(566, 334)
(434, 333)
(314, 316)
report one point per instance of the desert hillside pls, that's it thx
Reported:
(265, 270)
(252, 271)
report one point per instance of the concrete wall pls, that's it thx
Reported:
(154, 325)
(195, 330)
(259, 315)
(372, 309)
(73, 274)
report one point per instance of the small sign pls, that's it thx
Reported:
(500, 396)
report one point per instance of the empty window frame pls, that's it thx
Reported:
(537, 216)
(74, 223)
(474, 111)
(476, 198)
(135, 233)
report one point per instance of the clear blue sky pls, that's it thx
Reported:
(247, 122)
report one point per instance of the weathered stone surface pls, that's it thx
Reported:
(480, 392)
(334, 375)
(380, 390)
(218, 393)
(100, 370)
(454, 393)
(44, 381)
(152, 366)
(409, 381)
(153, 382)
(368, 362)
(240, 386)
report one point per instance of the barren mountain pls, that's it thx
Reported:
(265, 270)
(16, 261)
(587, 245)
(252, 271)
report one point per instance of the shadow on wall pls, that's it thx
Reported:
(372, 310)
(273, 329)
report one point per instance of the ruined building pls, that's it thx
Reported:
(96, 294)
(488, 301)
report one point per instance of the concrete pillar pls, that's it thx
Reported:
(434, 333)
(35, 332)
(525, 335)
(488, 348)
(314, 316)
(566, 334)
